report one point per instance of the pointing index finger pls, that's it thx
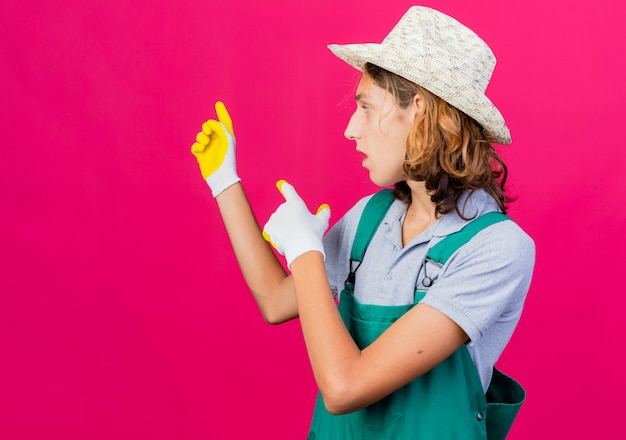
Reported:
(287, 190)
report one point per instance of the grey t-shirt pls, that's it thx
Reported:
(482, 286)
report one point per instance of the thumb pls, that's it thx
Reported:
(323, 213)
(224, 117)
(287, 190)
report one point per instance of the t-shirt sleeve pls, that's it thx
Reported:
(486, 280)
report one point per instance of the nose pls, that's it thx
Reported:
(351, 132)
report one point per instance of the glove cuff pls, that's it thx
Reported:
(222, 179)
(292, 254)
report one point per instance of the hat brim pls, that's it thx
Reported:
(468, 100)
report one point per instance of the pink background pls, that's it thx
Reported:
(122, 311)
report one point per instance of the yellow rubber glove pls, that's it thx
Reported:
(215, 151)
(292, 229)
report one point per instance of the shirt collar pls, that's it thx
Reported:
(471, 203)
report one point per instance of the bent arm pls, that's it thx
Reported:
(271, 287)
(348, 378)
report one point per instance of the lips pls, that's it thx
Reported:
(361, 153)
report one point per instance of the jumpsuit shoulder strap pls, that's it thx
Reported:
(379, 204)
(443, 250)
(372, 216)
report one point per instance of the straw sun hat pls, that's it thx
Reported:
(440, 54)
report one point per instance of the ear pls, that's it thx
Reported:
(415, 107)
(418, 103)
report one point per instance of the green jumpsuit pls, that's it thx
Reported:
(448, 402)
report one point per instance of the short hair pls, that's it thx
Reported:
(445, 148)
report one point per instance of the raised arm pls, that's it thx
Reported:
(349, 378)
(271, 286)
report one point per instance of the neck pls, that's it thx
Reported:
(420, 200)
(420, 214)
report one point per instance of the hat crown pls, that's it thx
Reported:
(424, 35)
